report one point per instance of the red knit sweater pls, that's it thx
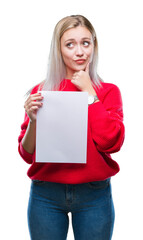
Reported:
(105, 136)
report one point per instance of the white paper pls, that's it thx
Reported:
(61, 129)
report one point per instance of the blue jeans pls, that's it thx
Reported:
(90, 204)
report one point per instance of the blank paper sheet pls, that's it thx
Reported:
(61, 129)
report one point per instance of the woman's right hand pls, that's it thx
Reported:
(32, 104)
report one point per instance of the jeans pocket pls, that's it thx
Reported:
(99, 184)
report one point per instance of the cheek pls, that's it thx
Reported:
(90, 51)
(67, 56)
(90, 54)
(66, 59)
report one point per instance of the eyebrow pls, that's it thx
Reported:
(72, 39)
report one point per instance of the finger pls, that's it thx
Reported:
(74, 81)
(34, 98)
(29, 105)
(74, 77)
(34, 95)
(38, 104)
(76, 73)
(87, 68)
(33, 108)
(31, 111)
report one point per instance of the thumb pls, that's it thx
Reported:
(87, 68)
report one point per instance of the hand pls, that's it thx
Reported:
(82, 81)
(32, 104)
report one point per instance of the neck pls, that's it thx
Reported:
(69, 74)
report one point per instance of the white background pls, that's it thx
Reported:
(26, 30)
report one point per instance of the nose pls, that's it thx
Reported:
(79, 51)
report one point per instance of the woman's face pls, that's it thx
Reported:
(76, 49)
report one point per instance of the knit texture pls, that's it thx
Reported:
(105, 136)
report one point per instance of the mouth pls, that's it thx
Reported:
(80, 61)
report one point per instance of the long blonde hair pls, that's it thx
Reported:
(56, 67)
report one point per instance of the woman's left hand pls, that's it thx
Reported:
(82, 81)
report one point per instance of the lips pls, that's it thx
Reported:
(80, 61)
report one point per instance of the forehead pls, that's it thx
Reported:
(76, 33)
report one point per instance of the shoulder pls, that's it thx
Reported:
(109, 93)
(108, 86)
(107, 89)
(36, 88)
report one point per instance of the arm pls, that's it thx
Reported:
(106, 121)
(28, 157)
(106, 116)
(27, 138)
(31, 107)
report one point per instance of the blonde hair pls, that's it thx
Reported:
(56, 67)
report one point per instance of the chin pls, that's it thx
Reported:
(79, 68)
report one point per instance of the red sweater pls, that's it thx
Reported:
(105, 136)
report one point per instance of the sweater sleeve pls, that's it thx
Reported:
(27, 157)
(106, 121)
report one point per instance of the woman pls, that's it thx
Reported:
(82, 189)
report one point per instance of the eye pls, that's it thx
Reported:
(86, 43)
(69, 45)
